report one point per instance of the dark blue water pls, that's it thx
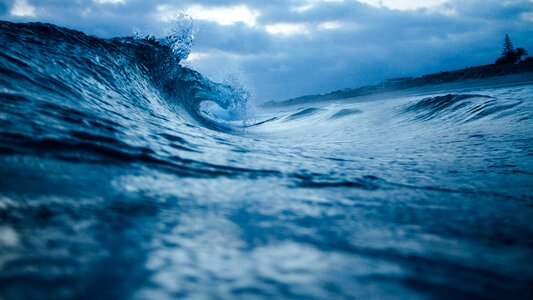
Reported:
(124, 175)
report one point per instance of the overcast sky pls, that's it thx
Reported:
(286, 48)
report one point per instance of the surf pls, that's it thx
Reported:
(121, 164)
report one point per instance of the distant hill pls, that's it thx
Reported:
(398, 84)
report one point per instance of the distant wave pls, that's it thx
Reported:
(459, 107)
(345, 112)
(304, 113)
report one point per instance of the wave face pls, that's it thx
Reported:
(127, 175)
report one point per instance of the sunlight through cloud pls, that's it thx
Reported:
(110, 1)
(287, 29)
(225, 15)
(21, 8)
(404, 4)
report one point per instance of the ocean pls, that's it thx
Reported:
(126, 175)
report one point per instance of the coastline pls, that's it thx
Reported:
(490, 76)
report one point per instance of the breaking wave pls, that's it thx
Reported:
(86, 73)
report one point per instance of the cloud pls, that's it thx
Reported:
(528, 16)
(21, 8)
(224, 15)
(287, 29)
(405, 4)
(287, 48)
(110, 1)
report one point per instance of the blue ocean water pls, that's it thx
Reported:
(125, 175)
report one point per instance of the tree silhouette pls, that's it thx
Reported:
(509, 55)
(521, 52)
(508, 48)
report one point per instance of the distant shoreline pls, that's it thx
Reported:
(473, 77)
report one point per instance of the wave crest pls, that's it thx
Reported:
(182, 36)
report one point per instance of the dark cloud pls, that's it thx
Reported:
(345, 43)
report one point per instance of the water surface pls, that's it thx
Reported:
(117, 182)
